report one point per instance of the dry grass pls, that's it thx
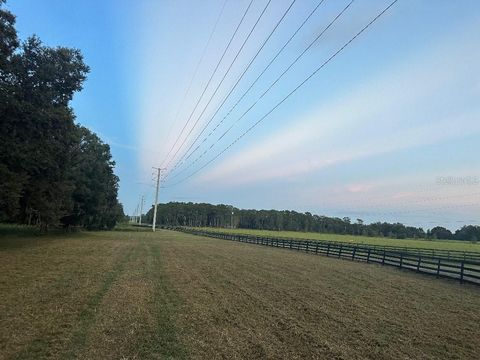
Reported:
(248, 301)
(89, 296)
(369, 240)
(138, 295)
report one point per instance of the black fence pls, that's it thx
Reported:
(468, 256)
(467, 270)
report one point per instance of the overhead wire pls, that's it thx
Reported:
(221, 81)
(200, 60)
(213, 74)
(291, 93)
(180, 160)
(309, 46)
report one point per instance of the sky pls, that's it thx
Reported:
(387, 130)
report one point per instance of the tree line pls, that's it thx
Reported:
(208, 215)
(53, 171)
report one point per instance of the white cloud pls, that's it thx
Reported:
(415, 104)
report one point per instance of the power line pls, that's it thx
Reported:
(195, 74)
(329, 25)
(221, 81)
(292, 92)
(213, 73)
(248, 90)
(179, 162)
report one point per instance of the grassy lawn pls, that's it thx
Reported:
(89, 296)
(415, 243)
(169, 295)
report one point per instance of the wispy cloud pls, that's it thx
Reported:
(421, 101)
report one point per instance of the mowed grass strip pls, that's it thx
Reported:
(45, 287)
(169, 295)
(93, 295)
(381, 241)
(136, 319)
(248, 301)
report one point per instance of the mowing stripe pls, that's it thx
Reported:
(87, 317)
(165, 343)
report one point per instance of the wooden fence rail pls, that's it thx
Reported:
(466, 271)
(469, 256)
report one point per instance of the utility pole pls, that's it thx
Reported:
(135, 217)
(154, 222)
(141, 210)
(231, 218)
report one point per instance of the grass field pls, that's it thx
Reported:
(414, 243)
(169, 295)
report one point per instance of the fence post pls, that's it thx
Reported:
(328, 249)
(353, 253)
(401, 260)
(368, 256)
(290, 244)
(462, 268)
(306, 246)
(340, 251)
(316, 248)
(418, 263)
(383, 260)
(438, 268)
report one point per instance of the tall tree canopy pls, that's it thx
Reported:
(52, 171)
(208, 215)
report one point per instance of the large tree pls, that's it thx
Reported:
(95, 204)
(51, 170)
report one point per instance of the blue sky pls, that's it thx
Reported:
(386, 131)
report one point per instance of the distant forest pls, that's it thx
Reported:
(208, 215)
(52, 170)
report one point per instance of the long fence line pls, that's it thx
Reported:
(467, 256)
(466, 271)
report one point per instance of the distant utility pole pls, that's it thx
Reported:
(141, 210)
(135, 217)
(154, 222)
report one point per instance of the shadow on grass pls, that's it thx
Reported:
(13, 236)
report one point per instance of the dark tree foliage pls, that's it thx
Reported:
(440, 232)
(469, 232)
(94, 196)
(208, 215)
(52, 171)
